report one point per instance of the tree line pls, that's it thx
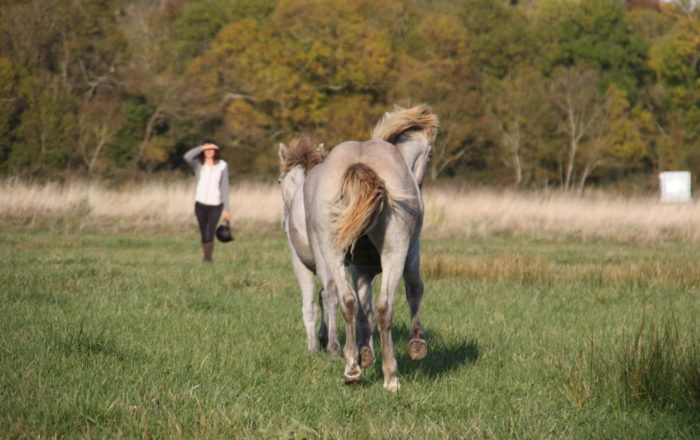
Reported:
(538, 93)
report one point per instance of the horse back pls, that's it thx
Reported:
(382, 157)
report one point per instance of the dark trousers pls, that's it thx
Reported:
(208, 218)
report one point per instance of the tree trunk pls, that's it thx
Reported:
(513, 142)
(147, 136)
(584, 175)
(573, 146)
(96, 154)
(574, 137)
(518, 167)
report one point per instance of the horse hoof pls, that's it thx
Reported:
(366, 357)
(417, 349)
(353, 376)
(392, 384)
(353, 380)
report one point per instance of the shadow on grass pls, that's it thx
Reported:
(443, 356)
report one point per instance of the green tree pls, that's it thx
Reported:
(199, 22)
(595, 34)
(500, 40)
(675, 59)
(10, 105)
(47, 133)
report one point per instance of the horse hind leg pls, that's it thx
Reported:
(328, 334)
(385, 311)
(417, 347)
(348, 304)
(337, 290)
(323, 328)
(365, 316)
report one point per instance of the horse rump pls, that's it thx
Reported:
(361, 199)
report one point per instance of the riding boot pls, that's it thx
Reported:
(208, 249)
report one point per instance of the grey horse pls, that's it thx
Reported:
(296, 160)
(364, 208)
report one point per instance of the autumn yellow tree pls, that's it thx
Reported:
(312, 67)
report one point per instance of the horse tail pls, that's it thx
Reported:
(363, 195)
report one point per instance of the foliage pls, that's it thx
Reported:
(675, 59)
(47, 133)
(127, 85)
(597, 35)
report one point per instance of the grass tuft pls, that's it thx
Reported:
(659, 365)
(655, 365)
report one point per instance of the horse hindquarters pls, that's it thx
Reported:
(360, 202)
(365, 206)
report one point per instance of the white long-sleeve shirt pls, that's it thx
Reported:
(209, 183)
(212, 180)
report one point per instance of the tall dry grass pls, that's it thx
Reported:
(449, 211)
(481, 212)
(135, 206)
(521, 269)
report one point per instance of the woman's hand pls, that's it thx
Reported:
(227, 216)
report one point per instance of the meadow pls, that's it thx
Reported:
(539, 324)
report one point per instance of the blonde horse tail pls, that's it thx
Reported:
(363, 196)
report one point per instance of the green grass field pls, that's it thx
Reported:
(130, 336)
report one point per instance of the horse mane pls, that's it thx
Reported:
(401, 120)
(303, 151)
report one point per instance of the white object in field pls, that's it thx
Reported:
(675, 186)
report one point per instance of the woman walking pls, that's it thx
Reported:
(211, 196)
